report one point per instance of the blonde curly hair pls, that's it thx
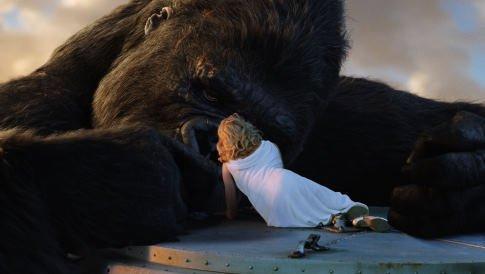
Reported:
(237, 138)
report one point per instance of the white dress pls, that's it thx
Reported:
(282, 197)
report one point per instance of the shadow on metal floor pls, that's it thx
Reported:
(248, 246)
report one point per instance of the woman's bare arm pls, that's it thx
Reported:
(231, 193)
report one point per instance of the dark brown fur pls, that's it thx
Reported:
(98, 145)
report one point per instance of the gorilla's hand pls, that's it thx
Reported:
(452, 155)
(446, 176)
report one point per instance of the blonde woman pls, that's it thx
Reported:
(282, 197)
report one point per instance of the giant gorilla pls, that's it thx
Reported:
(111, 142)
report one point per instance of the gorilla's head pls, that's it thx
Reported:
(272, 61)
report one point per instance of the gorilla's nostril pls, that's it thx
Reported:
(208, 144)
(200, 133)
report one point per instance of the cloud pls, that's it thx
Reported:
(419, 43)
(480, 6)
(5, 6)
(412, 44)
(44, 25)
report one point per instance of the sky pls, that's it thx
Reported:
(434, 48)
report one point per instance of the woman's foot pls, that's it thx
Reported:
(378, 224)
(356, 211)
(342, 222)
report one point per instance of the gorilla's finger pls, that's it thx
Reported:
(421, 225)
(465, 132)
(424, 148)
(455, 211)
(403, 222)
(451, 170)
(409, 198)
(414, 199)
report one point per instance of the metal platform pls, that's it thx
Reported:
(248, 246)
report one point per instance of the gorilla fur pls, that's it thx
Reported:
(111, 142)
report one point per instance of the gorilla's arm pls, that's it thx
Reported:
(101, 188)
(368, 132)
(84, 189)
(88, 188)
(58, 95)
(364, 137)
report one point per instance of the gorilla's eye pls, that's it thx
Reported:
(210, 98)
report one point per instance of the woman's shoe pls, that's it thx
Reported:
(378, 224)
(340, 224)
(356, 211)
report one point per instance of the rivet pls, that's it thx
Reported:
(275, 268)
(303, 270)
(251, 267)
(228, 265)
(154, 254)
(187, 260)
(169, 257)
(206, 262)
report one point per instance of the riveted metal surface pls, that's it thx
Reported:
(250, 247)
(139, 267)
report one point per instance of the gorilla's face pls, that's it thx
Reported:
(272, 61)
